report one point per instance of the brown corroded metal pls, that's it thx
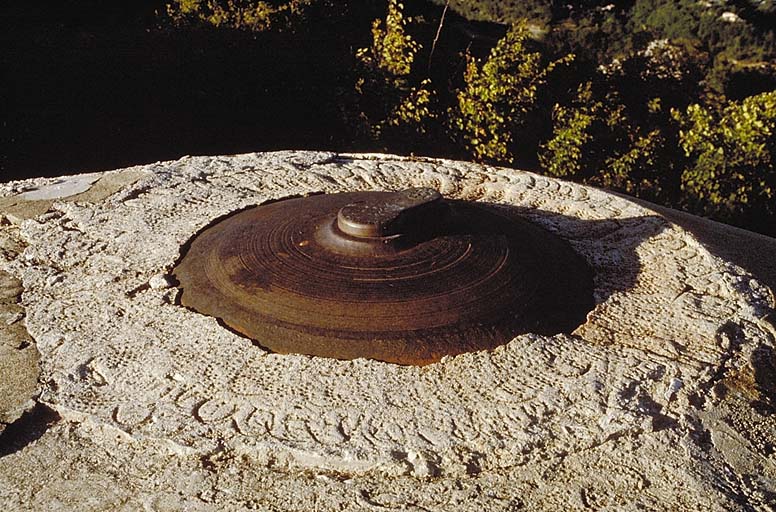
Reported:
(404, 277)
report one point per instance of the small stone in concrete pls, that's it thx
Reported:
(673, 386)
(64, 187)
(12, 318)
(160, 282)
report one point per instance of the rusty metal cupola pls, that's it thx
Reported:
(404, 277)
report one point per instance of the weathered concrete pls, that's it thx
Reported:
(24, 200)
(18, 355)
(663, 398)
(31, 198)
(753, 252)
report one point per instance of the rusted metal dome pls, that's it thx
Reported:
(404, 277)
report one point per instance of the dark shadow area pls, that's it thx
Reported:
(90, 86)
(93, 87)
(764, 364)
(80, 101)
(27, 429)
(638, 229)
(753, 252)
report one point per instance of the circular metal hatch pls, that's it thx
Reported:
(404, 277)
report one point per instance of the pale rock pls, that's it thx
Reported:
(162, 407)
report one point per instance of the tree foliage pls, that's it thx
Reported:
(596, 141)
(619, 133)
(393, 50)
(238, 14)
(503, 11)
(732, 156)
(573, 130)
(389, 102)
(498, 95)
(633, 95)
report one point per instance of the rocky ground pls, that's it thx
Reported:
(112, 396)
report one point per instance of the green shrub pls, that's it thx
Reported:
(733, 156)
(502, 11)
(249, 15)
(598, 141)
(391, 103)
(498, 95)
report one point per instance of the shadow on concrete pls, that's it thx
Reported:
(764, 364)
(751, 251)
(638, 230)
(27, 429)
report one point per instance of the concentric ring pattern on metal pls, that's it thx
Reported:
(404, 277)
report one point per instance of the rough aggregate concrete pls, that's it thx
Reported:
(663, 398)
(19, 201)
(18, 355)
(30, 198)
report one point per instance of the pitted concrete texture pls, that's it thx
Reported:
(18, 355)
(662, 399)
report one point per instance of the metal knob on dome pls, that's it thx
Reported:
(388, 215)
(403, 277)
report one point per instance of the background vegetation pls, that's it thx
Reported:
(671, 101)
